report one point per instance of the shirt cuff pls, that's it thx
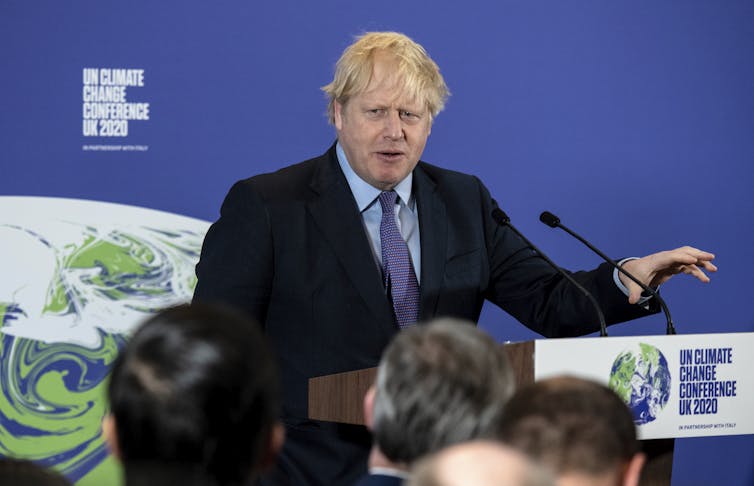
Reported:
(616, 278)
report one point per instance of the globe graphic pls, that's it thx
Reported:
(78, 277)
(641, 377)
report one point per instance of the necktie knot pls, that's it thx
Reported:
(387, 201)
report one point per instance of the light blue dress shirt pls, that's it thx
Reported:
(406, 217)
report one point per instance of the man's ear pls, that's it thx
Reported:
(337, 114)
(369, 406)
(274, 446)
(632, 473)
(110, 435)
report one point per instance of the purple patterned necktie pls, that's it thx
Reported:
(399, 276)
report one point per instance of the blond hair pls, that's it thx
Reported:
(415, 70)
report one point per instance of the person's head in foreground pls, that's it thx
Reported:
(479, 463)
(578, 428)
(437, 384)
(383, 98)
(194, 393)
(23, 472)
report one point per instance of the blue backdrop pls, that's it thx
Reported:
(633, 121)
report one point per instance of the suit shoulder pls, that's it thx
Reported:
(287, 182)
(446, 177)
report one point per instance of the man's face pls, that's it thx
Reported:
(382, 131)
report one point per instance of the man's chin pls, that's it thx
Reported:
(393, 174)
(386, 185)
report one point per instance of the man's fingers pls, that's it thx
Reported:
(707, 265)
(696, 272)
(691, 252)
(685, 255)
(696, 252)
(702, 261)
(677, 256)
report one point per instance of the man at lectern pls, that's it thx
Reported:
(334, 255)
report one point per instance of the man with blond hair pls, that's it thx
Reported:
(335, 255)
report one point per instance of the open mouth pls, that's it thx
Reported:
(389, 155)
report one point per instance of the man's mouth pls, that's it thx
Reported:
(389, 155)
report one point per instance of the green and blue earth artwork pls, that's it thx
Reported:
(78, 277)
(641, 377)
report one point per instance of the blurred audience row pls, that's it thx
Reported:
(195, 399)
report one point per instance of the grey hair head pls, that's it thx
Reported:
(439, 384)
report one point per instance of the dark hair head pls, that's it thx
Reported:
(571, 425)
(196, 385)
(27, 473)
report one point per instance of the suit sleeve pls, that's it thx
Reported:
(236, 262)
(527, 287)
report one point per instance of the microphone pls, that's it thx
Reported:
(503, 220)
(554, 222)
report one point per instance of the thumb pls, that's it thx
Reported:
(634, 293)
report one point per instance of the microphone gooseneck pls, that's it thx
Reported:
(503, 220)
(554, 222)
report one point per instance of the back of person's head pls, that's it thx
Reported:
(27, 473)
(437, 384)
(579, 428)
(196, 387)
(414, 70)
(479, 463)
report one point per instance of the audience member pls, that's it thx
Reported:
(437, 384)
(194, 400)
(479, 463)
(19, 472)
(578, 428)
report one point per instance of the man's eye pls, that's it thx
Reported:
(409, 116)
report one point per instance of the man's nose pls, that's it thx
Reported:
(393, 125)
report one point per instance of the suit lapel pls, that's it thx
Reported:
(433, 228)
(334, 211)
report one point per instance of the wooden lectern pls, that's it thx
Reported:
(340, 398)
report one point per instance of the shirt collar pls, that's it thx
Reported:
(387, 471)
(364, 193)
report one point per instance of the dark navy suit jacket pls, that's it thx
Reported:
(290, 248)
(379, 480)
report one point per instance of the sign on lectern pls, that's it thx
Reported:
(677, 386)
